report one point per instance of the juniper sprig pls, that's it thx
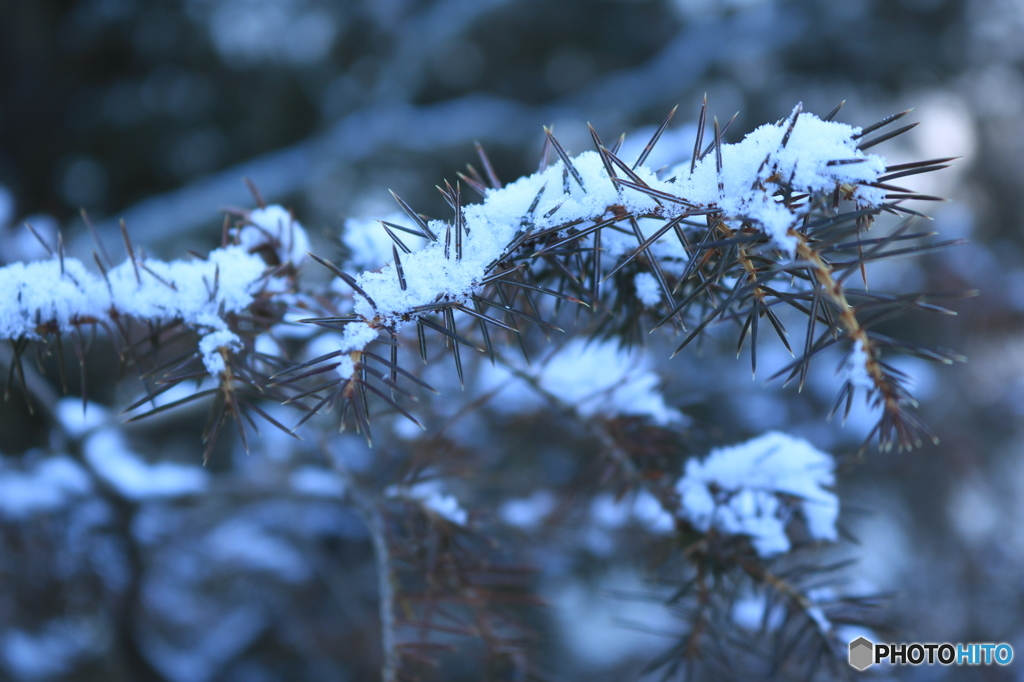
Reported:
(781, 219)
(760, 235)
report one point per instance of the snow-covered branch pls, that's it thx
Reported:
(769, 229)
(727, 224)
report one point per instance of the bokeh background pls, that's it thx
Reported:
(154, 110)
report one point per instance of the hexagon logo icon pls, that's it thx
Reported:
(862, 653)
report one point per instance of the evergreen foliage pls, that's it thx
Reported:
(774, 234)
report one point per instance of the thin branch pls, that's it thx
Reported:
(388, 639)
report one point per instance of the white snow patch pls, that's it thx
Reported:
(597, 378)
(112, 460)
(211, 345)
(356, 336)
(431, 497)
(45, 294)
(317, 482)
(743, 190)
(48, 486)
(647, 289)
(370, 244)
(275, 227)
(527, 512)
(642, 509)
(803, 163)
(244, 543)
(855, 368)
(748, 489)
(76, 420)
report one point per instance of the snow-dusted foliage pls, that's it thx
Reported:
(753, 489)
(58, 295)
(596, 378)
(783, 182)
(763, 233)
(809, 155)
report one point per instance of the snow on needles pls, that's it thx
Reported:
(855, 367)
(369, 244)
(46, 293)
(796, 151)
(597, 379)
(803, 163)
(56, 295)
(753, 488)
(275, 228)
(647, 289)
